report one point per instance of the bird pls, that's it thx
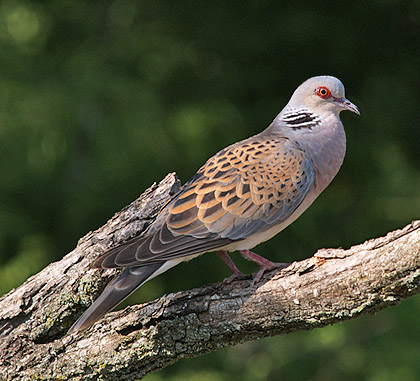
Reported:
(244, 195)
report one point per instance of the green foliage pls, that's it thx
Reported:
(99, 99)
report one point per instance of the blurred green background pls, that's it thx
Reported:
(99, 99)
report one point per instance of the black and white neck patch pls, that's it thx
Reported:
(298, 119)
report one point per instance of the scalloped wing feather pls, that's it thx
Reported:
(243, 190)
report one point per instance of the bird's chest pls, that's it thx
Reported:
(327, 150)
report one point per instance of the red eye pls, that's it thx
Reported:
(323, 92)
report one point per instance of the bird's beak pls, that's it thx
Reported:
(347, 105)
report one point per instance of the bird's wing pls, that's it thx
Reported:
(243, 190)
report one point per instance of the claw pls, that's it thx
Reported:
(265, 264)
(233, 277)
(224, 256)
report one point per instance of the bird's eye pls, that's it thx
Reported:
(323, 92)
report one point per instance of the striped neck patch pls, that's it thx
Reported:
(298, 119)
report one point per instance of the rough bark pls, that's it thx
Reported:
(331, 286)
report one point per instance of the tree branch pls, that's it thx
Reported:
(331, 286)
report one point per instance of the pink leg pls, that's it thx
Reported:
(224, 256)
(264, 264)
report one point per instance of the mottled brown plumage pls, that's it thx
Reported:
(244, 189)
(243, 195)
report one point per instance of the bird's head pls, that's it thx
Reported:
(322, 93)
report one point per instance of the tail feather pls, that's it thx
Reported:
(115, 292)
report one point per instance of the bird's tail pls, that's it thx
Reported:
(115, 292)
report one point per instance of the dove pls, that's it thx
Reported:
(244, 195)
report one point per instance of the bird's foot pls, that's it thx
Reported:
(265, 264)
(224, 256)
(231, 278)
